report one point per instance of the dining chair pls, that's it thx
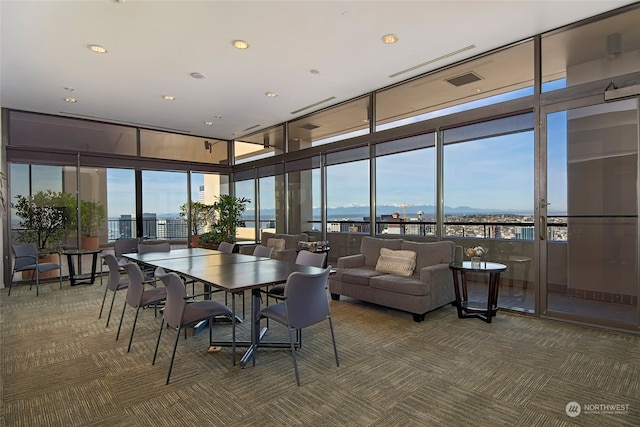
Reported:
(124, 246)
(305, 304)
(116, 282)
(25, 258)
(318, 259)
(179, 313)
(145, 248)
(263, 251)
(226, 247)
(138, 297)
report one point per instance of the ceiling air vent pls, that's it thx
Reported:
(464, 79)
(309, 126)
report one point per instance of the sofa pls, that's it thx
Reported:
(409, 276)
(285, 246)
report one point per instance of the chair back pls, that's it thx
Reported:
(114, 271)
(309, 258)
(307, 301)
(26, 255)
(226, 247)
(125, 246)
(263, 251)
(175, 302)
(136, 288)
(154, 247)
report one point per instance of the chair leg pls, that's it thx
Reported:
(173, 356)
(155, 353)
(60, 271)
(293, 356)
(333, 338)
(111, 308)
(37, 282)
(103, 300)
(133, 329)
(124, 307)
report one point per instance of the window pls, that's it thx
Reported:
(405, 186)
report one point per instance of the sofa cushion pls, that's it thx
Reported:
(276, 244)
(431, 253)
(401, 285)
(401, 263)
(370, 248)
(357, 276)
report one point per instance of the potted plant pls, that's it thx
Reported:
(200, 214)
(92, 218)
(227, 211)
(46, 221)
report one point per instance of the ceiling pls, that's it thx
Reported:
(306, 52)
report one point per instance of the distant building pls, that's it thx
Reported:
(149, 226)
(125, 229)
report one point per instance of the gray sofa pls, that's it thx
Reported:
(285, 245)
(429, 285)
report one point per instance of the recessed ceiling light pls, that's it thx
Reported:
(389, 39)
(97, 48)
(198, 76)
(208, 123)
(240, 44)
(271, 94)
(71, 100)
(314, 71)
(168, 97)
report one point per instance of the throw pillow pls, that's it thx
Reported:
(276, 244)
(401, 263)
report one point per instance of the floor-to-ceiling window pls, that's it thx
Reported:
(405, 186)
(162, 195)
(348, 200)
(488, 174)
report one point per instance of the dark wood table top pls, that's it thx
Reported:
(232, 272)
(173, 253)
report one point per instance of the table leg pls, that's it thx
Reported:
(255, 327)
(456, 285)
(72, 270)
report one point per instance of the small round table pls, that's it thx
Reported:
(465, 307)
(79, 278)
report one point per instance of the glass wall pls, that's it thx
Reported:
(245, 188)
(304, 191)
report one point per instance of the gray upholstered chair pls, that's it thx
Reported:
(138, 297)
(263, 251)
(145, 248)
(318, 259)
(306, 303)
(116, 282)
(178, 313)
(124, 246)
(25, 258)
(226, 247)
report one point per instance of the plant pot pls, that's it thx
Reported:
(195, 241)
(209, 245)
(91, 242)
(30, 274)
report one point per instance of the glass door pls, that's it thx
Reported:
(591, 215)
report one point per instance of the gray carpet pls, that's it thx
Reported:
(62, 367)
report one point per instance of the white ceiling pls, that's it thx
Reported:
(154, 46)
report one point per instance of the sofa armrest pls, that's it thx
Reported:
(351, 261)
(436, 273)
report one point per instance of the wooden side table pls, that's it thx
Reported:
(467, 308)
